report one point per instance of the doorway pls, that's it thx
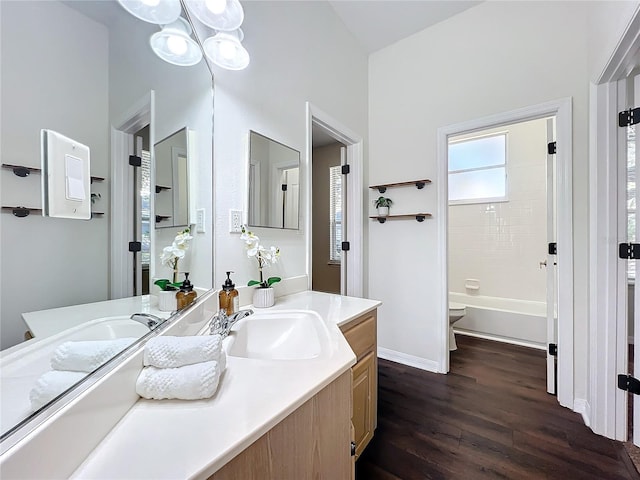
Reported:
(562, 169)
(130, 210)
(502, 273)
(327, 213)
(347, 223)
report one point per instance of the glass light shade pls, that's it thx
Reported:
(173, 44)
(225, 50)
(160, 12)
(221, 15)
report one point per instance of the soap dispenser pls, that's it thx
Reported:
(186, 295)
(228, 296)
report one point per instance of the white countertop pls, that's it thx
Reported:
(193, 439)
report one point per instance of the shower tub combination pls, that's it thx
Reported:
(521, 322)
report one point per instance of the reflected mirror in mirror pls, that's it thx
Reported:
(172, 181)
(274, 191)
(83, 68)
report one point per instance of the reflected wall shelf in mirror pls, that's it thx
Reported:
(23, 171)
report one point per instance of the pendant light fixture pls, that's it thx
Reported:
(225, 50)
(160, 12)
(174, 44)
(221, 15)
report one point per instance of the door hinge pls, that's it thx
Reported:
(629, 251)
(629, 117)
(346, 169)
(346, 246)
(551, 148)
(135, 161)
(629, 384)
(284, 187)
(353, 449)
(553, 349)
(135, 246)
(553, 248)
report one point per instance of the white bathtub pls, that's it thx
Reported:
(22, 365)
(516, 321)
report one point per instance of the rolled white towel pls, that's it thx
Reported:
(52, 384)
(87, 355)
(191, 382)
(172, 352)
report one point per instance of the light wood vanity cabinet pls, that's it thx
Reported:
(361, 333)
(312, 442)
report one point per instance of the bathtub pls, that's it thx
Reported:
(23, 364)
(521, 322)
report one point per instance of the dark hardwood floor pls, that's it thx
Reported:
(490, 417)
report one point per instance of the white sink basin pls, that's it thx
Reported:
(279, 335)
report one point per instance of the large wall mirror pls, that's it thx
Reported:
(274, 185)
(78, 68)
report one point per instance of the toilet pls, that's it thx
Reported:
(456, 312)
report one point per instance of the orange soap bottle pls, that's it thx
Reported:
(228, 296)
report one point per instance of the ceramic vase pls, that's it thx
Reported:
(383, 211)
(167, 301)
(264, 297)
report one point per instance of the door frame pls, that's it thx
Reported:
(562, 110)
(142, 113)
(608, 355)
(355, 205)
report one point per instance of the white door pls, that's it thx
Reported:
(343, 226)
(137, 221)
(636, 290)
(551, 265)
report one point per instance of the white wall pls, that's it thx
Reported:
(607, 22)
(183, 98)
(502, 243)
(50, 262)
(486, 60)
(300, 51)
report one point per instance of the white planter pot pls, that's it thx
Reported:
(264, 297)
(167, 301)
(383, 211)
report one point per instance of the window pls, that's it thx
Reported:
(477, 169)
(335, 214)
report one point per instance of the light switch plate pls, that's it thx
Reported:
(235, 221)
(200, 220)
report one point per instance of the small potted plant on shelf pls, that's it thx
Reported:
(383, 204)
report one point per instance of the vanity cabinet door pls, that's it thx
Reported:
(361, 333)
(363, 392)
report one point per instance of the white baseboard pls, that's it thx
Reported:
(582, 407)
(409, 360)
(497, 338)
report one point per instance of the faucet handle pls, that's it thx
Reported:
(218, 322)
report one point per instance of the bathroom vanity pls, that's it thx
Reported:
(270, 415)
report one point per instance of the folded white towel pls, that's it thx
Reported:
(172, 352)
(52, 384)
(191, 382)
(87, 355)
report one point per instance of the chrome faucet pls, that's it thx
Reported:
(221, 323)
(147, 319)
